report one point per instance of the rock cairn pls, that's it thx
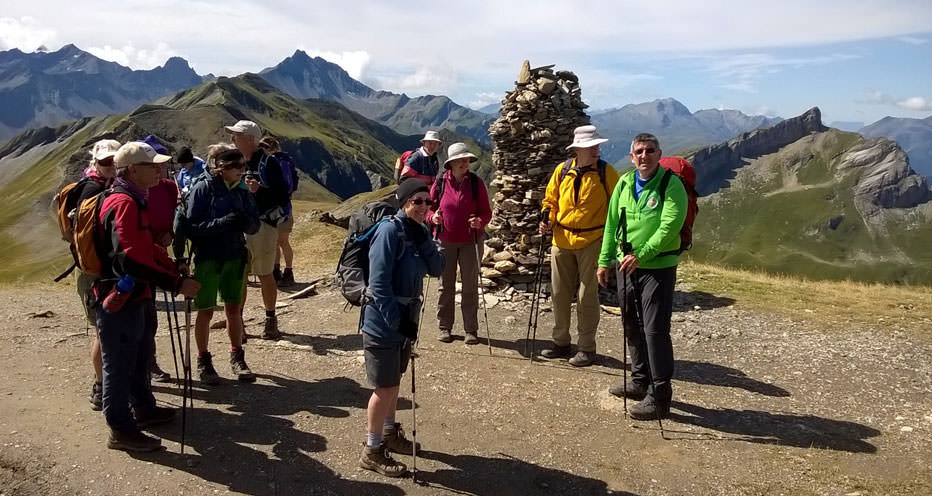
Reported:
(534, 127)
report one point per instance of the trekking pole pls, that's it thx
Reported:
(171, 333)
(420, 317)
(485, 309)
(638, 313)
(625, 249)
(413, 420)
(186, 397)
(535, 298)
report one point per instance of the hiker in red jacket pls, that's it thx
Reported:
(423, 164)
(129, 252)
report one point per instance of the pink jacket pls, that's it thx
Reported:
(458, 205)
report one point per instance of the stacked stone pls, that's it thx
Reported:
(535, 125)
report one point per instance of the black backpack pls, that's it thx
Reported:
(600, 169)
(352, 274)
(473, 185)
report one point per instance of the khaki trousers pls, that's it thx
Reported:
(569, 268)
(464, 255)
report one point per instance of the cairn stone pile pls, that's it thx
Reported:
(535, 125)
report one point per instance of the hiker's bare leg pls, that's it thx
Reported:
(202, 329)
(269, 291)
(234, 323)
(284, 245)
(96, 359)
(382, 404)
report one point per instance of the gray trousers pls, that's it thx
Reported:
(464, 255)
(649, 345)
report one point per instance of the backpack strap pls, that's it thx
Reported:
(474, 185)
(662, 191)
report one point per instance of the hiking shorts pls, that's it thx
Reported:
(386, 361)
(224, 276)
(286, 226)
(262, 247)
(85, 287)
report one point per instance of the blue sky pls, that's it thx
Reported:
(858, 60)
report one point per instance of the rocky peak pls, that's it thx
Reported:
(886, 180)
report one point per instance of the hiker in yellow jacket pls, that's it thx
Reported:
(575, 207)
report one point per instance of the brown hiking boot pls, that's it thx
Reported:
(133, 440)
(396, 442)
(271, 329)
(378, 460)
(472, 338)
(445, 336)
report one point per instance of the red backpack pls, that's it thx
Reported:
(683, 170)
(400, 164)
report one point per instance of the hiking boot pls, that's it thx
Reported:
(445, 336)
(395, 441)
(157, 374)
(277, 273)
(287, 278)
(271, 329)
(377, 459)
(239, 367)
(205, 369)
(582, 359)
(132, 440)
(648, 409)
(156, 415)
(634, 391)
(557, 352)
(97, 397)
(472, 338)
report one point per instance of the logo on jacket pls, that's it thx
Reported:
(652, 202)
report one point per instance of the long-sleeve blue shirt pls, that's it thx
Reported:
(393, 276)
(217, 217)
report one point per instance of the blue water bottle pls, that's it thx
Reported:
(120, 294)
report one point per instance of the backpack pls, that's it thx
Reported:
(473, 185)
(67, 202)
(289, 171)
(352, 274)
(400, 164)
(86, 247)
(600, 168)
(687, 174)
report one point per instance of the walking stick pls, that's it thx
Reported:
(535, 299)
(625, 249)
(186, 396)
(171, 333)
(413, 420)
(485, 309)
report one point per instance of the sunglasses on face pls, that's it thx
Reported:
(420, 201)
(239, 164)
(644, 151)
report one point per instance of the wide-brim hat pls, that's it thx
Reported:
(246, 127)
(431, 136)
(585, 137)
(104, 149)
(457, 151)
(137, 152)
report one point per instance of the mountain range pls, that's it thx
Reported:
(47, 88)
(913, 135)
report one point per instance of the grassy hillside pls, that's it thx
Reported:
(794, 212)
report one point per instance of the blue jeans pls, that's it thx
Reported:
(126, 346)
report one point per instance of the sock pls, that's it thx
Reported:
(373, 439)
(202, 353)
(389, 422)
(269, 313)
(235, 348)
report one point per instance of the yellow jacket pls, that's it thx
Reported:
(578, 219)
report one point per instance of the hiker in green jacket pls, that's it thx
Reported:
(647, 243)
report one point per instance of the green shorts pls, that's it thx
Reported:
(224, 276)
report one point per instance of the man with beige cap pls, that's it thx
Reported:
(423, 164)
(128, 252)
(575, 206)
(265, 180)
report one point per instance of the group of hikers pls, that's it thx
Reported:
(598, 220)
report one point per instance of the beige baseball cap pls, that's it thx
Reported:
(137, 152)
(246, 127)
(105, 148)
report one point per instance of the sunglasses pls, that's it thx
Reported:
(644, 151)
(239, 164)
(420, 201)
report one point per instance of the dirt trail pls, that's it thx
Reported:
(764, 404)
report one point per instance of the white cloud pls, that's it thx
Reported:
(877, 97)
(25, 33)
(485, 98)
(915, 103)
(423, 80)
(355, 63)
(913, 40)
(743, 72)
(136, 58)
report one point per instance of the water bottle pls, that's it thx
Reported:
(120, 294)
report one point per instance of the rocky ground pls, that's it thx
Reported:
(764, 404)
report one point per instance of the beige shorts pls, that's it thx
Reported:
(85, 287)
(286, 226)
(262, 247)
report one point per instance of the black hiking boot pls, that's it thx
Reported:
(156, 415)
(634, 391)
(649, 409)
(205, 369)
(277, 273)
(395, 441)
(157, 374)
(239, 367)
(377, 459)
(97, 397)
(271, 328)
(133, 440)
(557, 352)
(287, 278)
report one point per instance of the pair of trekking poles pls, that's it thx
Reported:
(174, 332)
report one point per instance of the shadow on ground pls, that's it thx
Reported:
(506, 475)
(802, 431)
(720, 375)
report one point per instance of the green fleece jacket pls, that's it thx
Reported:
(653, 225)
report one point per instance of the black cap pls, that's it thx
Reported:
(408, 188)
(184, 156)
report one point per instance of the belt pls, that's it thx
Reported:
(578, 231)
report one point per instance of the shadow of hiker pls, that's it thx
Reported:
(719, 375)
(506, 475)
(684, 301)
(323, 342)
(225, 455)
(802, 431)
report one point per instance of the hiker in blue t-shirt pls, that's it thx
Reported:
(191, 168)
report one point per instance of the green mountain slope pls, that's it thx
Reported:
(829, 206)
